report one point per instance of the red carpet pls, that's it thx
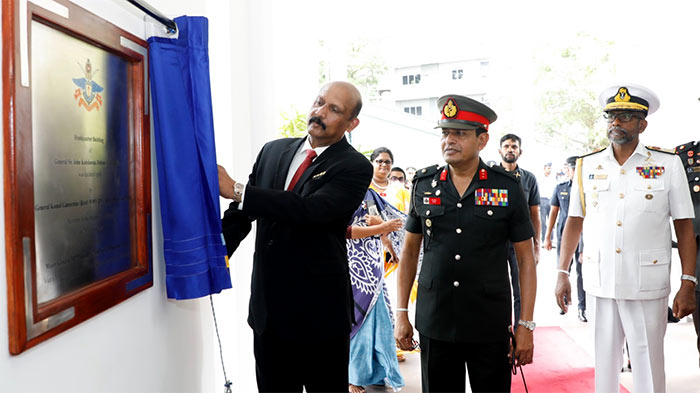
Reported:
(560, 366)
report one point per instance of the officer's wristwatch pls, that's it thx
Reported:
(529, 325)
(690, 278)
(238, 191)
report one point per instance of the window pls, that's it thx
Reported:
(411, 79)
(457, 74)
(413, 110)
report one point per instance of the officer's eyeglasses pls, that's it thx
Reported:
(623, 117)
(383, 162)
(397, 178)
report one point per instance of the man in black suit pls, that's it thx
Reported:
(301, 299)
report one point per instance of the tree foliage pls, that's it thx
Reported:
(294, 124)
(567, 82)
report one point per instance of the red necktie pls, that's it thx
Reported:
(310, 155)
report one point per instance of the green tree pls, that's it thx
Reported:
(569, 115)
(365, 67)
(294, 124)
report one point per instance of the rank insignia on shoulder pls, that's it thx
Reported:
(650, 172)
(491, 197)
(443, 174)
(483, 175)
(599, 176)
(431, 201)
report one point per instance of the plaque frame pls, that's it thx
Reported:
(31, 323)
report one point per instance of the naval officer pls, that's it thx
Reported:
(622, 199)
(464, 213)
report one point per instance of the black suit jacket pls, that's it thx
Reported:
(300, 284)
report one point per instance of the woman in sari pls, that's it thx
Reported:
(375, 225)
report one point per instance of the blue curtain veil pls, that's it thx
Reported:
(195, 254)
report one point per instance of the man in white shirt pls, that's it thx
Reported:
(622, 199)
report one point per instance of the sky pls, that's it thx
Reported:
(655, 46)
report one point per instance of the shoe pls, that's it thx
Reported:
(561, 312)
(582, 316)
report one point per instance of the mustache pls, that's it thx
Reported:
(317, 120)
(618, 129)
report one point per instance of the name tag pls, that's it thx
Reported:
(431, 201)
(491, 197)
(598, 176)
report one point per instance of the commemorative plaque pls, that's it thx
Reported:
(77, 168)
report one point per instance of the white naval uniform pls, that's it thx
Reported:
(626, 264)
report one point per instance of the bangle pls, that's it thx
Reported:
(564, 271)
(690, 278)
(401, 309)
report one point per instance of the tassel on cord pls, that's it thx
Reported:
(227, 384)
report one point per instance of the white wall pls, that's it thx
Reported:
(149, 343)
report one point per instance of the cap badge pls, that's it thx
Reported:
(449, 110)
(622, 95)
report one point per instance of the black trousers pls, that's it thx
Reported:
(289, 365)
(443, 366)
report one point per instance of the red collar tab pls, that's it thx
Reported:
(443, 174)
(482, 174)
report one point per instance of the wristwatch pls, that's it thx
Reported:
(238, 191)
(529, 325)
(690, 278)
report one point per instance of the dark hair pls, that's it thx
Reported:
(398, 169)
(480, 131)
(511, 137)
(356, 110)
(379, 151)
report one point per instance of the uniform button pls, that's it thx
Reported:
(490, 212)
(427, 213)
(649, 187)
(437, 193)
(459, 205)
(458, 230)
(270, 242)
(617, 250)
(619, 223)
(655, 261)
(622, 171)
(456, 284)
(458, 257)
(622, 195)
(595, 187)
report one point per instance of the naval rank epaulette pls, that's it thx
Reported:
(503, 171)
(596, 151)
(660, 150)
(427, 171)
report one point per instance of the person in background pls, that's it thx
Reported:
(382, 159)
(410, 173)
(373, 359)
(690, 156)
(397, 175)
(462, 214)
(623, 199)
(510, 151)
(560, 211)
(546, 184)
